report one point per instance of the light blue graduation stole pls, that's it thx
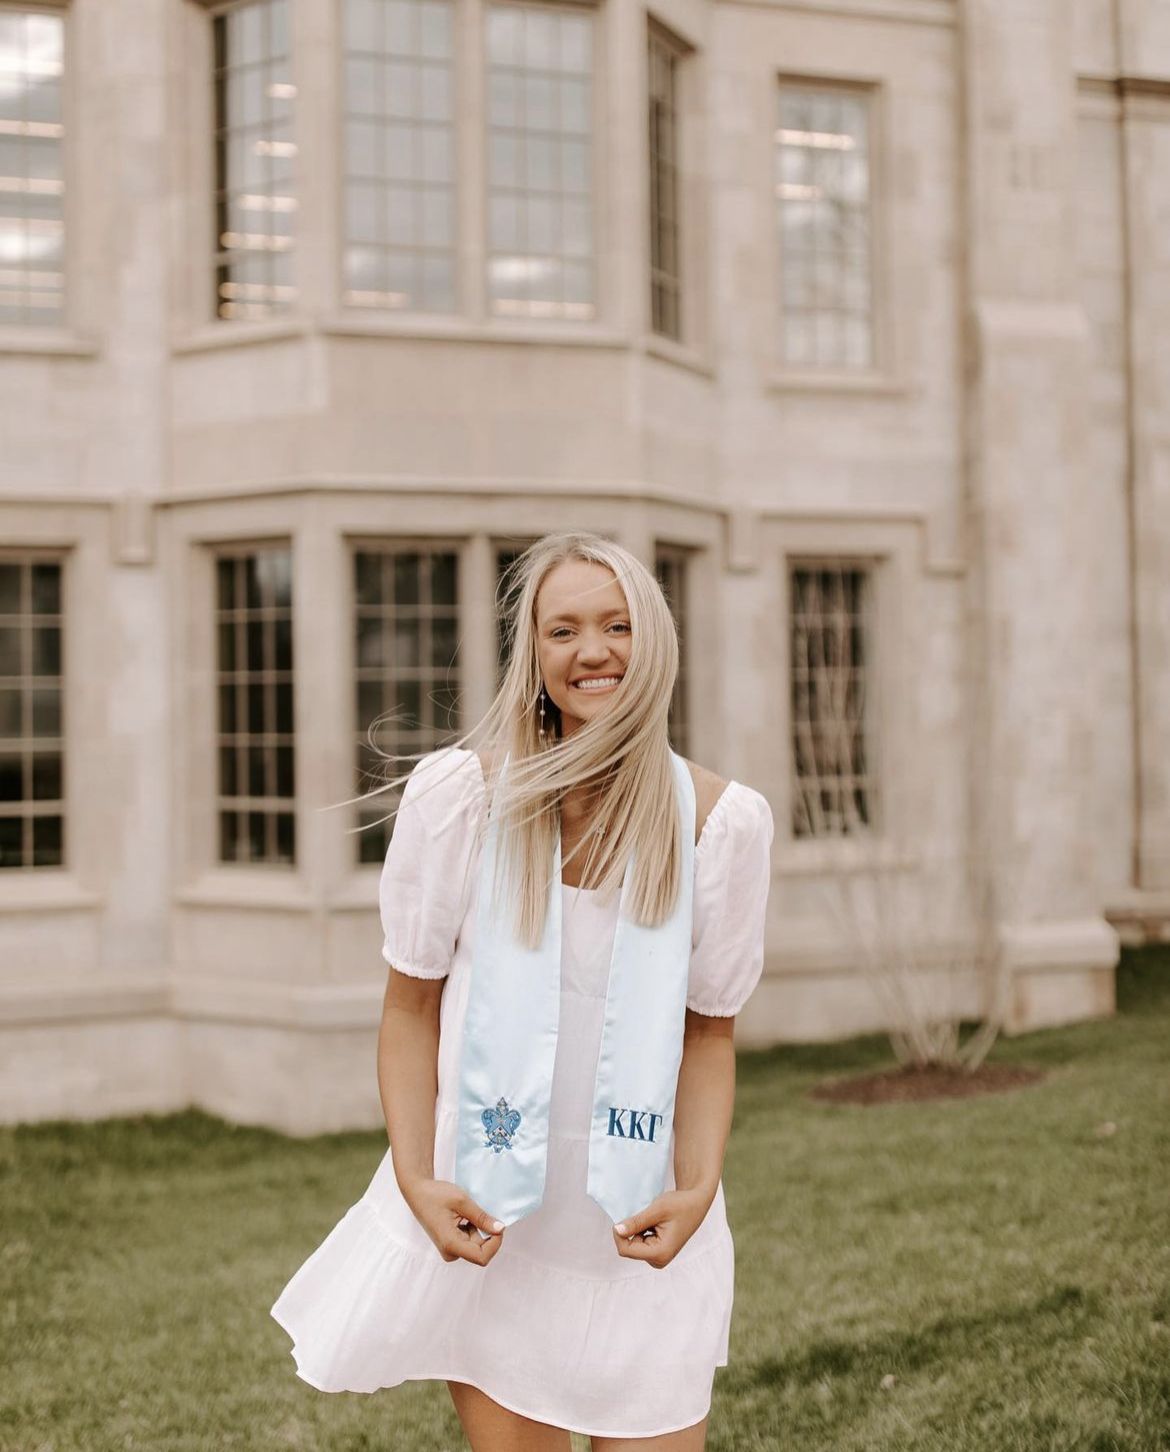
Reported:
(510, 1041)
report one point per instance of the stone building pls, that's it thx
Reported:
(313, 312)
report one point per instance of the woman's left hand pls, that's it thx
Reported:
(657, 1233)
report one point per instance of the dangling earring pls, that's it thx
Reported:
(542, 730)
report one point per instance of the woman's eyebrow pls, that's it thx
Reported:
(575, 619)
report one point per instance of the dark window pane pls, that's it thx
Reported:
(257, 844)
(229, 836)
(46, 589)
(406, 587)
(256, 785)
(443, 582)
(46, 841)
(255, 645)
(285, 837)
(255, 709)
(276, 575)
(252, 590)
(228, 720)
(284, 650)
(46, 776)
(284, 771)
(9, 588)
(369, 704)
(407, 647)
(370, 645)
(367, 571)
(409, 701)
(228, 775)
(46, 651)
(227, 646)
(11, 777)
(9, 650)
(284, 708)
(9, 713)
(443, 643)
(371, 843)
(11, 831)
(225, 573)
(47, 710)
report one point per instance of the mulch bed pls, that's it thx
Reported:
(911, 1083)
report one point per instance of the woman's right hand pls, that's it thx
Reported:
(453, 1220)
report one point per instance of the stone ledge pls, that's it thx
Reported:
(1141, 917)
(83, 1002)
(327, 1009)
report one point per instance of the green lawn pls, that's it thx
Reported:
(1002, 1258)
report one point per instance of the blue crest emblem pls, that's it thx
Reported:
(500, 1125)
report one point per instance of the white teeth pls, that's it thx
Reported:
(598, 684)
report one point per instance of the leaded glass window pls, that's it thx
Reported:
(540, 162)
(824, 225)
(670, 566)
(399, 106)
(835, 792)
(407, 669)
(32, 764)
(664, 57)
(255, 160)
(254, 692)
(32, 186)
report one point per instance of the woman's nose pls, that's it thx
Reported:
(592, 650)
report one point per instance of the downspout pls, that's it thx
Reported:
(1131, 440)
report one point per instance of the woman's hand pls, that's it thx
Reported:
(658, 1233)
(453, 1220)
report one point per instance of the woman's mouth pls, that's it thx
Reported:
(596, 683)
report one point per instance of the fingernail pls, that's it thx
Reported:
(621, 1229)
(497, 1225)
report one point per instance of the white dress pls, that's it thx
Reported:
(558, 1327)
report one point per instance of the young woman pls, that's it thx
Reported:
(573, 916)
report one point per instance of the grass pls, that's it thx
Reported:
(1003, 1259)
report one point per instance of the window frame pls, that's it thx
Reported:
(679, 52)
(60, 334)
(25, 808)
(390, 544)
(461, 307)
(871, 720)
(880, 374)
(680, 558)
(236, 549)
(503, 322)
(289, 308)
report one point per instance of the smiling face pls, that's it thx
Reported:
(583, 638)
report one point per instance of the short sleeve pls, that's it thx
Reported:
(426, 877)
(732, 875)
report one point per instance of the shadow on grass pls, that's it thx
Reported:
(1143, 990)
(1060, 1314)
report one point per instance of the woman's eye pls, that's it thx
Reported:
(622, 624)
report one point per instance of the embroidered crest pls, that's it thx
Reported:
(500, 1125)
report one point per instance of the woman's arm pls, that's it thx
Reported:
(408, 1058)
(703, 1105)
(408, 1072)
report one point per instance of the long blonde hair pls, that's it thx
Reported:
(622, 754)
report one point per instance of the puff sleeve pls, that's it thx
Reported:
(426, 877)
(732, 876)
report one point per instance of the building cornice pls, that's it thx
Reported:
(911, 12)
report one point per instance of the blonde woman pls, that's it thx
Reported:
(573, 916)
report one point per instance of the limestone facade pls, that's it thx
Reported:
(1000, 467)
